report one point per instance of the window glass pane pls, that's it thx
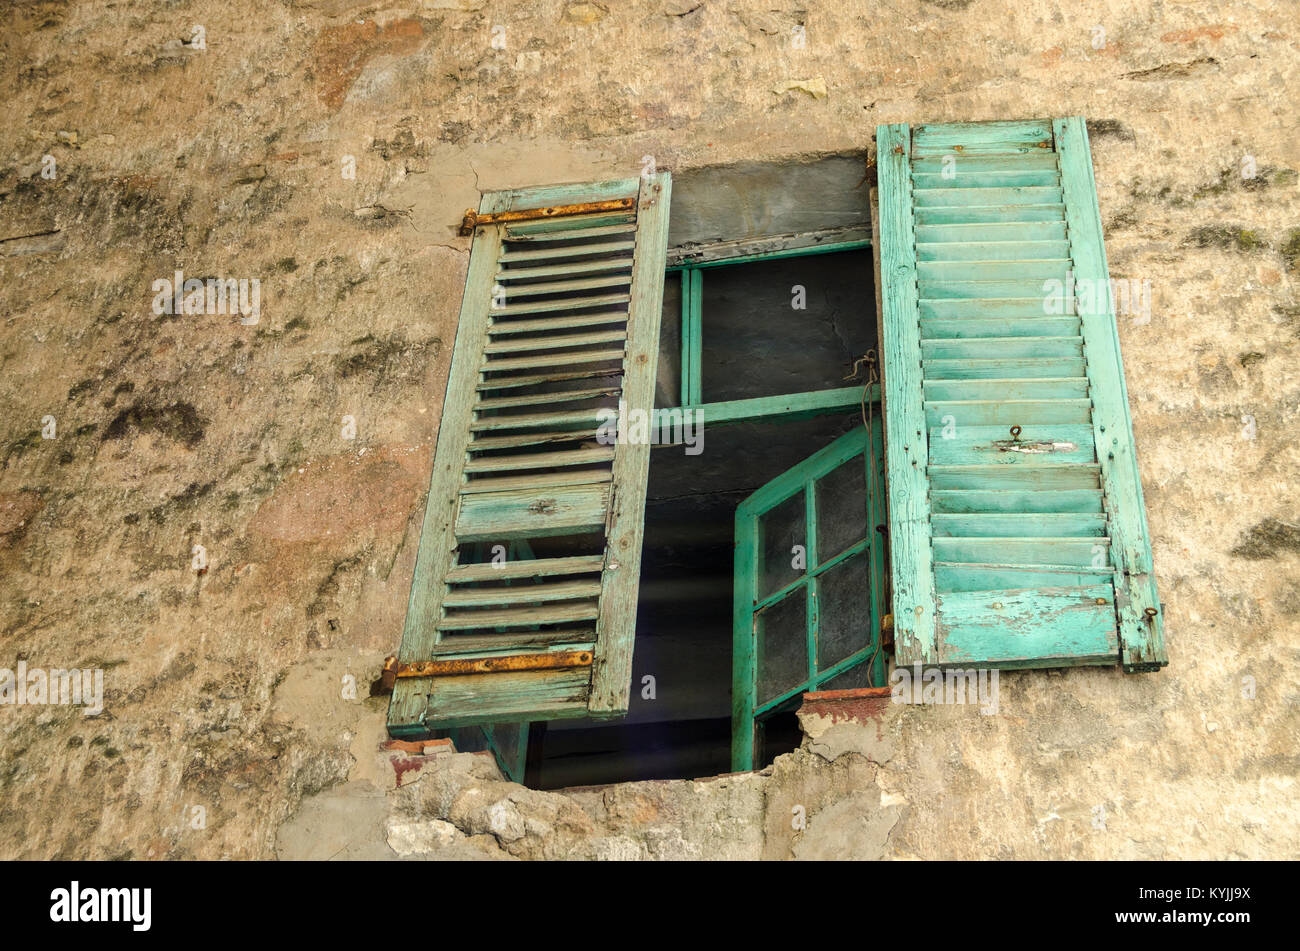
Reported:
(467, 739)
(841, 508)
(859, 675)
(668, 381)
(507, 737)
(781, 529)
(781, 646)
(844, 610)
(791, 325)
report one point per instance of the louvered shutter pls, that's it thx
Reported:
(560, 320)
(1017, 528)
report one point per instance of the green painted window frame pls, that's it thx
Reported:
(747, 713)
(781, 406)
(484, 737)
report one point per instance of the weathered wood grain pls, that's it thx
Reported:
(1067, 625)
(615, 628)
(1142, 636)
(484, 489)
(911, 551)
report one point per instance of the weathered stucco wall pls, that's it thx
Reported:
(224, 688)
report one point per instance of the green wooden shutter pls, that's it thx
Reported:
(560, 320)
(1024, 547)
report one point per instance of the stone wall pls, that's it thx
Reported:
(223, 154)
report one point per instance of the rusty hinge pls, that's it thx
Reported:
(456, 667)
(887, 633)
(473, 219)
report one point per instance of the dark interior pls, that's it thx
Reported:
(755, 343)
(683, 626)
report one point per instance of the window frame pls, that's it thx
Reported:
(748, 603)
(805, 402)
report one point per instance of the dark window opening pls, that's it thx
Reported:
(793, 325)
(684, 615)
(767, 313)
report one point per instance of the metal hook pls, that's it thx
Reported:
(1015, 432)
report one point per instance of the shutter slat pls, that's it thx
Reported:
(990, 214)
(1001, 577)
(1033, 474)
(1019, 524)
(518, 234)
(553, 360)
(515, 344)
(952, 197)
(1009, 389)
(561, 270)
(1035, 160)
(531, 568)
(1039, 270)
(526, 420)
(533, 399)
(1007, 412)
(992, 250)
(519, 617)
(504, 643)
(968, 135)
(506, 595)
(960, 233)
(1007, 147)
(990, 307)
(937, 328)
(569, 223)
(959, 176)
(1077, 552)
(541, 460)
(568, 303)
(568, 251)
(1001, 348)
(1026, 288)
(1028, 368)
(483, 443)
(514, 291)
(971, 501)
(563, 322)
(543, 480)
(516, 382)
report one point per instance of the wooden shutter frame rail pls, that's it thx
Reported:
(474, 219)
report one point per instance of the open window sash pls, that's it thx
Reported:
(809, 569)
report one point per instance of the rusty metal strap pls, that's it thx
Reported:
(513, 663)
(474, 220)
